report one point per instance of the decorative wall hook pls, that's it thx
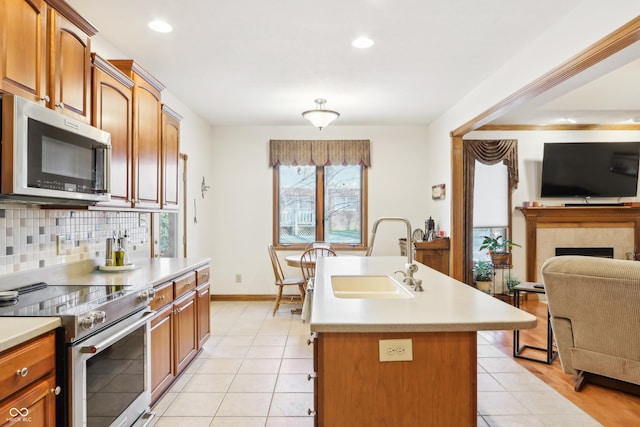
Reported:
(203, 187)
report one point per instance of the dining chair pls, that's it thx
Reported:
(308, 261)
(281, 282)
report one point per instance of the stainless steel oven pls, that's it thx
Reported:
(106, 358)
(109, 374)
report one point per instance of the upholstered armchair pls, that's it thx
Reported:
(595, 313)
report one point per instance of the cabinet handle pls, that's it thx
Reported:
(311, 412)
(60, 105)
(45, 98)
(309, 342)
(203, 293)
(311, 377)
(22, 372)
(56, 390)
(161, 297)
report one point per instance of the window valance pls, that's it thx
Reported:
(319, 152)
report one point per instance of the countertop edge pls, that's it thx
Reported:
(17, 330)
(462, 327)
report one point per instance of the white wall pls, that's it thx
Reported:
(241, 219)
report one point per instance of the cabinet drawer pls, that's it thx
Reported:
(164, 295)
(203, 275)
(184, 284)
(24, 364)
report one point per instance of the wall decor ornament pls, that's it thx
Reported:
(437, 192)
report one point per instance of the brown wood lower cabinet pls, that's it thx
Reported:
(185, 330)
(162, 366)
(437, 388)
(28, 389)
(179, 328)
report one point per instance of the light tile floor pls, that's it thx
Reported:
(253, 373)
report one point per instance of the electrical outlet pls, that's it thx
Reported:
(238, 278)
(397, 350)
(61, 244)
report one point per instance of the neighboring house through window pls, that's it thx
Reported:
(320, 192)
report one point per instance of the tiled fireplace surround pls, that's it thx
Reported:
(548, 228)
(28, 235)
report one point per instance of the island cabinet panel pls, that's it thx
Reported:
(437, 388)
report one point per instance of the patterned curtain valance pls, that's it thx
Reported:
(319, 152)
(492, 152)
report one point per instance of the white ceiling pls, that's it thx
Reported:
(263, 62)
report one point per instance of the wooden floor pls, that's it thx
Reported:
(607, 406)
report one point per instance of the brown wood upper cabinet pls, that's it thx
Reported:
(45, 55)
(170, 158)
(147, 150)
(112, 111)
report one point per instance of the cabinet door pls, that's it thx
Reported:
(70, 59)
(162, 355)
(185, 329)
(204, 313)
(147, 149)
(112, 108)
(23, 48)
(35, 406)
(170, 158)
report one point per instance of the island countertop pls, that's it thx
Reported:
(446, 305)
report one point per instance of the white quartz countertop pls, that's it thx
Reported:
(147, 272)
(446, 305)
(16, 330)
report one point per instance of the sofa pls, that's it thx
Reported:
(594, 305)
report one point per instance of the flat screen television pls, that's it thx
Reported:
(590, 169)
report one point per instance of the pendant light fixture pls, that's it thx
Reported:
(320, 117)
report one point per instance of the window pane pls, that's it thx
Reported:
(168, 234)
(297, 196)
(342, 204)
(478, 236)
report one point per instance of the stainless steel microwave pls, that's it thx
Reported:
(48, 157)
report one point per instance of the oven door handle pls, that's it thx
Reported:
(96, 348)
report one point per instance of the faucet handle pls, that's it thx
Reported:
(411, 268)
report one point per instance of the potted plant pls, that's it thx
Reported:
(483, 276)
(512, 281)
(498, 249)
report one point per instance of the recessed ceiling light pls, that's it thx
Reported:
(362, 43)
(160, 26)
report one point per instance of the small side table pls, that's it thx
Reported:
(517, 348)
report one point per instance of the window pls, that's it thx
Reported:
(320, 203)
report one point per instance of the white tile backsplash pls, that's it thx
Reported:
(28, 235)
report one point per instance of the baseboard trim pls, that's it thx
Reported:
(243, 297)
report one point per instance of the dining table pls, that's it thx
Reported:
(296, 261)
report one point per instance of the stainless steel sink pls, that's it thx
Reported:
(368, 287)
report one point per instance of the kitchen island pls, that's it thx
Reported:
(429, 338)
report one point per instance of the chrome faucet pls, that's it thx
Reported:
(410, 267)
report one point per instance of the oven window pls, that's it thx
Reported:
(115, 378)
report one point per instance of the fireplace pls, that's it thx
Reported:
(548, 228)
(597, 252)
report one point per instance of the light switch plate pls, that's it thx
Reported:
(396, 350)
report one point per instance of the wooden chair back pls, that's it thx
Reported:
(275, 263)
(308, 261)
